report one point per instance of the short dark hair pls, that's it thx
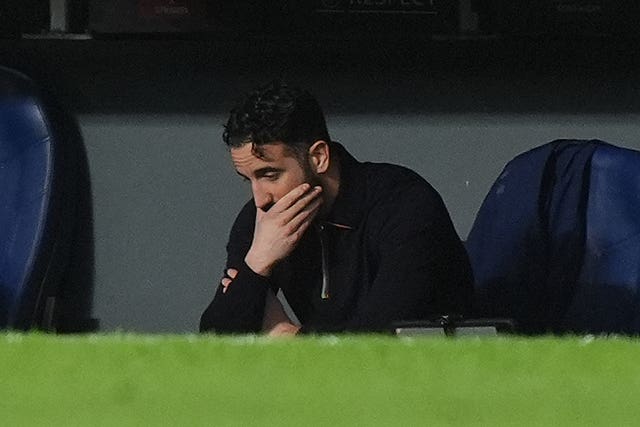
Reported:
(276, 112)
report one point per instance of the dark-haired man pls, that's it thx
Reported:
(354, 247)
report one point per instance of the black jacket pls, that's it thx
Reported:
(390, 253)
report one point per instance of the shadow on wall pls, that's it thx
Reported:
(75, 295)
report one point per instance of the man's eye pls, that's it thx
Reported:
(271, 176)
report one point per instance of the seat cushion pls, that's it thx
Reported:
(26, 170)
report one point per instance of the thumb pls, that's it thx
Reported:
(259, 215)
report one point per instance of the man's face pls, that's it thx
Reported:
(272, 173)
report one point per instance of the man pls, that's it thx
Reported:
(352, 246)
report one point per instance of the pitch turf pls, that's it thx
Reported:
(125, 379)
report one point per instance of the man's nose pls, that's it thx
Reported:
(262, 199)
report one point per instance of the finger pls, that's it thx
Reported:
(302, 204)
(232, 272)
(305, 216)
(300, 224)
(290, 198)
(225, 281)
(259, 214)
(305, 224)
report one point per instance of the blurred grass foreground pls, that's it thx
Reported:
(125, 379)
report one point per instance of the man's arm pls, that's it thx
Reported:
(252, 252)
(238, 308)
(275, 321)
(423, 269)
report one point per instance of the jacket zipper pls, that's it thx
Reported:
(324, 250)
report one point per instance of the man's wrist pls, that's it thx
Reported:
(259, 267)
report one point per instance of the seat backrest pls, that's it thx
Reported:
(607, 293)
(505, 242)
(36, 205)
(537, 242)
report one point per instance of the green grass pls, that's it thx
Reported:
(125, 379)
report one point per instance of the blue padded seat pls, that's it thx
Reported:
(556, 242)
(607, 293)
(36, 205)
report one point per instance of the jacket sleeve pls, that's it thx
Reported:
(423, 270)
(241, 308)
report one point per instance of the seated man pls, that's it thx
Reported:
(352, 246)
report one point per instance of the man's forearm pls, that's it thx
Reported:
(241, 308)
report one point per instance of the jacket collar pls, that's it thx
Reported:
(349, 206)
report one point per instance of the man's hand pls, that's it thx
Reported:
(226, 280)
(275, 322)
(278, 231)
(284, 329)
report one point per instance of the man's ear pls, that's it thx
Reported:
(319, 156)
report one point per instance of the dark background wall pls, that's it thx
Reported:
(164, 192)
